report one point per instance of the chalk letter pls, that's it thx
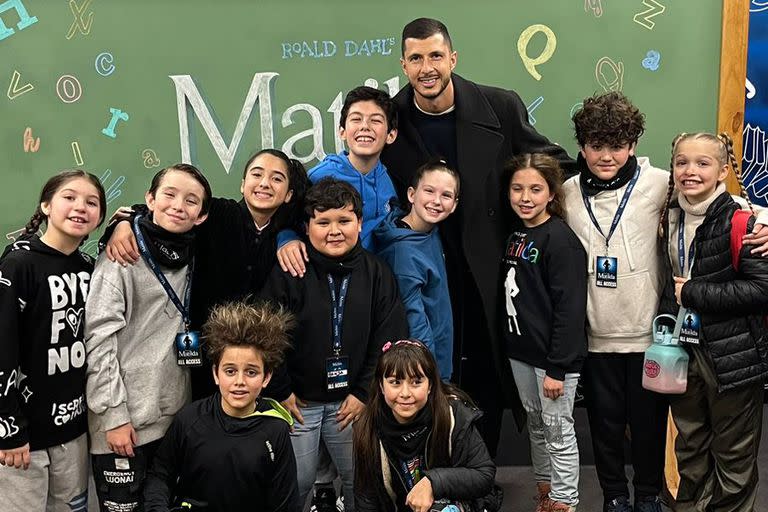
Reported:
(24, 21)
(316, 132)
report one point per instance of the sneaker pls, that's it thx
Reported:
(648, 504)
(543, 502)
(620, 504)
(324, 500)
(558, 506)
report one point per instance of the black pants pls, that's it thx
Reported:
(717, 443)
(616, 398)
(120, 480)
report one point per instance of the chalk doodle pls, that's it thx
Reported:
(113, 190)
(77, 154)
(150, 158)
(614, 79)
(81, 24)
(68, 89)
(104, 65)
(91, 248)
(755, 170)
(651, 60)
(533, 106)
(25, 20)
(549, 49)
(13, 235)
(574, 108)
(654, 8)
(751, 91)
(596, 6)
(14, 91)
(117, 115)
(31, 144)
(758, 5)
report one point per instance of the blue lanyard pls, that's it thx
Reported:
(619, 210)
(338, 310)
(681, 245)
(183, 308)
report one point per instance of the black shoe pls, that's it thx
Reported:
(648, 504)
(324, 500)
(620, 504)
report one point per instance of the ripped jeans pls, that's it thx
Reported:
(554, 452)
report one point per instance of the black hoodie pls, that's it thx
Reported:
(42, 354)
(373, 315)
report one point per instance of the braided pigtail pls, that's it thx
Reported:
(671, 186)
(35, 221)
(728, 143)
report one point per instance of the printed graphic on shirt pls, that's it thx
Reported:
(521, 248)
(64, 413)
(8, 427)
(67, 290)
(511, 290)
(4, 281)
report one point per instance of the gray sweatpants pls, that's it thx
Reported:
(554, 452)
(56, 480)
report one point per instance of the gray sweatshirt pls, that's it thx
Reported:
(130, 327)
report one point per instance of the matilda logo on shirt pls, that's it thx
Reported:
(67, 290)
(521, 248)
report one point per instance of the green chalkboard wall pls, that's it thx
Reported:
(107, 85)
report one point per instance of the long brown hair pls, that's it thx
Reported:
(550, 170)
(403, 359)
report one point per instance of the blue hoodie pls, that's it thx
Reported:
(375, 188)
(418, 263)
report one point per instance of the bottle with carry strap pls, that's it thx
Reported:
(665, 368)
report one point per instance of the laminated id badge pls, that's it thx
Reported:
(606, 271)
(691, 328)
(337, 373)
(188, 349)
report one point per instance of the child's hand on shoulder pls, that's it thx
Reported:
(18, 458)
(679, 282)
(292, 257)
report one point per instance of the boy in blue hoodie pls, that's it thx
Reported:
(368, 123)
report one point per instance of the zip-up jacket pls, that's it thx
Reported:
(42, 354)
(373, 315)
(228, 463)
(469, 479)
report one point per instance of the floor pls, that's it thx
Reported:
(515, 474)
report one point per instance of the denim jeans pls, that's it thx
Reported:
(554, 452)
(320, 422)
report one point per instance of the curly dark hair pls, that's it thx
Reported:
(262, 326)
(608, 119)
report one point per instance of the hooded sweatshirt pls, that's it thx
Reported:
(418, 263)
(227, 462)
(42, 355)
(375, 188)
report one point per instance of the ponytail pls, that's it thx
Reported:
(35, 221)
(728, 143)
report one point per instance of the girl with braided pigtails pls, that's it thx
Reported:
(719, 417)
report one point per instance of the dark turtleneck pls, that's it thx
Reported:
(591, 184)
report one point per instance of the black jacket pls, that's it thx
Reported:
(228, 463)
(469, 479)
(731, 304)
(42, 353)
(491, 127)
(373, 315)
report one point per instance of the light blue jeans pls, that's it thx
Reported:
(554, 452)
(320, 422)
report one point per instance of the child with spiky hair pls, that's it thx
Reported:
(233, 447)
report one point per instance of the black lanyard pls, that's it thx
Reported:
(619, 210)
(183, 308)
(681, 246)
(338, 310)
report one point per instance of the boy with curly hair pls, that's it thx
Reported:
(232, 448)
